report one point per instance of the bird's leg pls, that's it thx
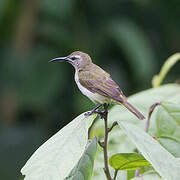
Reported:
(95, 110)
(103, 113)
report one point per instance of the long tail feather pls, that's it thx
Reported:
(133, 110)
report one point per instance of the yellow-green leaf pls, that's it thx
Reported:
(128, 161)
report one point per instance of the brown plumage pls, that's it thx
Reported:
(96, 83)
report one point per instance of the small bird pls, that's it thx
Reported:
(95, 83)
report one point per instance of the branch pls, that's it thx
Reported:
(113, 125)
(101, 143)
(104, 115)
(115, 174)
(151, 109)
(106, 167)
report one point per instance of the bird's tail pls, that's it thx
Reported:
(133, 110)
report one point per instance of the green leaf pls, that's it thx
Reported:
(163, 162)
(128, 161)
(168, 127)
(118, 141)
(171, 144)
(168, 119)
(55, 158)
(84, 167)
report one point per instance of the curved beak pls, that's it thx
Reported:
(59, 59)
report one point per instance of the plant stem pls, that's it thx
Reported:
(106, 167)
(104, 115)
(104, 144)
(115, 174)
(113, 125)
(151, 109)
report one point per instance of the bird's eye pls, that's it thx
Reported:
(73, 58)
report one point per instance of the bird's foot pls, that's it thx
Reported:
(101, 113)
(93, 111)
(88, 113)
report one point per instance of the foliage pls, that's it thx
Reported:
(128, 161)
(118, 140)
(84, 167)
(62, 151)
(128, 38)
(159, 147)
(163, 162)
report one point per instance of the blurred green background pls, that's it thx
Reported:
(129, 38)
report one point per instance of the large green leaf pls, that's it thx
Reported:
(118, 141)
(128, 161)
(168, 127)
(171, 144)
(168, 120)
(162, 161)
(57, 156)
(84, 167)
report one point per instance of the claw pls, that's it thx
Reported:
(91, 113)
(97, 111)
(88, 113)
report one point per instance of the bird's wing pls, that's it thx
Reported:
(102, 84)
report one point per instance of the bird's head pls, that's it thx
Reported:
(78, 59)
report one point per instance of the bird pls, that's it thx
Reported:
(95, 83)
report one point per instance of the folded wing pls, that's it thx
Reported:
(98, 81)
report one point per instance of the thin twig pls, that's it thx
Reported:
(106, 167)
(101, 143)
(151, 109)
(113, 125)
(115, 174)
(104, 144)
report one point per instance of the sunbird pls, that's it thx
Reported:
(95, 83)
